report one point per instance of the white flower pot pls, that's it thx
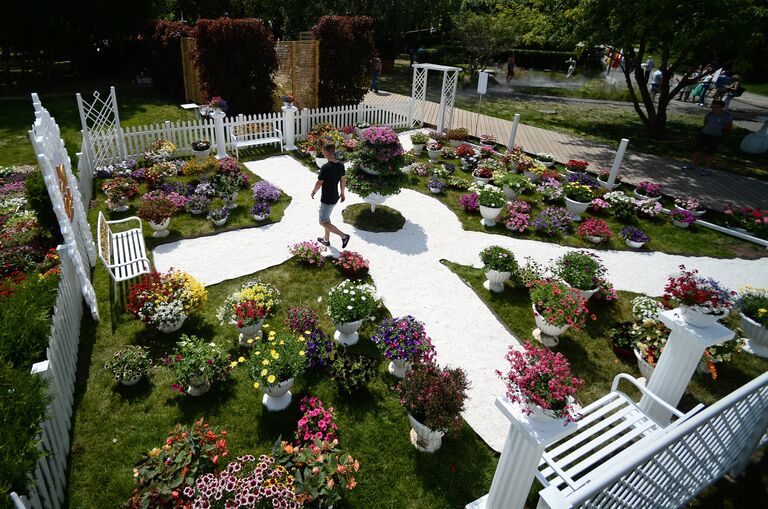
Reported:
(644, 197)
(434, 154)
(418, 148)
(231, 199)
(550, 331)
(259, 217)
(435, 190)
(481, 180)
(249, 332)
(173, 327)
(120, 206)
(197, 212)
(369, 171)
(587, 294)
(346, 333)
(198, 389)
(320, 161)
(604, 185)
(544, 418)
(399, 367)
(510, 194)
(360, 132)
(130, 382)
(757, 334)
(423, 438)
(699, 317)
(594, 239)
(494, 280)
(346, 136)
(219, 222)
(633, 244)
(489, 215)
(680, 224)
(645, 367)
(277, 397)
(577, 207)
(547, 164)
(533, 177)
(160, 230)
(201, 155)
(374, 199)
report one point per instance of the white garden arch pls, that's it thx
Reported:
(417, 110)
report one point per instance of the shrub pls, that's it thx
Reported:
(165, 46)
(346, 57)
(236, 59)
(434, 396)
(352, 373)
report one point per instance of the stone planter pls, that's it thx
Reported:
(644, 197)
(434, 154)
(249, 332)
(219, 222)
(577, 207)
(632, 244)
(346, 333)
(489, 215)
(646, 370)
(201, 155)
(549, 333)
(160, 230)
(510, 194)
(277, 397)
(131, 382)
(594, 239)
(757, 334)
(198, 387)
(399, 367)
(172, 327)
(494, 280)
(120, 206)
(700, 318)
(418, 148)
(680, 224)
(424, 438)
(259, 217)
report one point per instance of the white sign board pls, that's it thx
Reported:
(482, 82)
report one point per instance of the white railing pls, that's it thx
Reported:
(669, 468)
(48, 488)
(394, 115)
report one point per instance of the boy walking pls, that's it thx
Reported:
(331, 183)
(716, 123)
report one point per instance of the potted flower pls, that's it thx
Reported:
(436, 185)
(545, 159)
(434, 149)
(308, 252)
(491, 200)
(703, 301)
(158, 151)
(247, 308)
(457, 136)
(197, 364)
(512, 184)
(716, 354)
(360, 127)
(595, 230)
(622, 341)
(226, 187)
(691, 204)
(499, 265)
(650, 337)
(518, 217)
(468, 202)
(274, 366)
(197, 204)
(463, 150)
(634, 237)
(646, 190)
(201, 149)
(551, 190)
(434, 398)
(577, 198)
(352, 264)
(260, 211)
(753, 311)
(419, 139)
(287, 100)
(603, 174)
(350, 303)
(403, 341)
(157, 213)
(554, 221)
(681, 218)
(218, 105)
(129, 365)
(542, 383)
(556, 308)
(533, 172)
(576, 166)
(119, 190)
(488, 139)
(581, 270)
(644, 307)
(165, 299)
(482, 174)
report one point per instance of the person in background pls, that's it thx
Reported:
(717, 123)
(656, 82)
(510, 68)
(375, 74)
(571, 67)
(685, 92)
(722, 83)
(735, 89)
(411, 54)
(649, 64)
(331, 182)
(420, 54)
(706, 85)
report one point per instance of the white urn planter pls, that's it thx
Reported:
(198, 387)
(510, 194)
(374, 199)
(577, 207)
(418, 148)
(277, 397)
(231, 201)
(435, 190)
(455, 143)
(399, 367)
(680, 224)
(594, 239)
(320, 161)
(544, 418)
(481, 180)
(249, 332)
(644, 197)
(605, 185)
(548, 334)
(131, 381)
(699, 317)
(197, 212)
(645, 367)
(494, 280)
(423, 438)
(547, 164)
(259, 217)
(201, 155)
(632, 244)
(160, 229)
(346, 333)
(757, 336)
(434, 154)
(219, 222)
(587, 294)
(167, 328)
(532, 176)
(370, 171)
(489, 215)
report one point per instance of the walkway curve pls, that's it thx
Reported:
(406, 269)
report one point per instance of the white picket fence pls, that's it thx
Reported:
(48, 486)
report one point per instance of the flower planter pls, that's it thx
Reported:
(197, 212)
(587, 294)
(680, 224)
(399, 367)
(604, 184)
(577, 207)
(219, 222)
(434, 154)
(544, 417)
(374, 199)
(644, 197)
(547, 164)
(231, 199)
(494, 280)
(594, 239)
(423, 438)
(632, 244)
(435, 190)
(249, 332)
(201, 154)
(172, 327)
(320, 161)
(131, 382)
(489, 215)
(277, 397)
(120, 206)
(346, 333)
(161, 229)
(198, 387)
(699, 318)
(510, 194)
(418, 148)
(757, 335)
(359, 132)
(481, 180)
(549, 333)
(645, 367)
(532, 176)
(259, 217)
(370, 171)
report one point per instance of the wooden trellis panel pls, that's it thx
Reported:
(189, 70)
(298, 71)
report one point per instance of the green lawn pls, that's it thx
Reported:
(757, 88)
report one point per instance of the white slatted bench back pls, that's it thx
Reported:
(124, 253)
(670, 466)
(249, 133)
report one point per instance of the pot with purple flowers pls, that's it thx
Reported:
(692, 205)
(219, 215)
(634, 237)
(436, 185)
(404, 342)
(703, 301)
(681, 218)
(260, 211)
(646, 190)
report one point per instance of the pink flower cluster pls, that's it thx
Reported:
(175, 198)
(469, 202)
(381, 135)
(317, 422)
(309, 252)
(519, 218)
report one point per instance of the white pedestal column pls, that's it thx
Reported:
(513, 132)
(678, 361)
(289, 126)
(526, 441)
(218, 129)
(617, 162)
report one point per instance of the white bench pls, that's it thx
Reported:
(124, 253)
(254, 133)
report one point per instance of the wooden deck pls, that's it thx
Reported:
(715, 189)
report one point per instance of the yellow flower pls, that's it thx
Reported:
(264, 372)
(255, 385)
(265, 362)
(266, 326)
(301, 352)
(274, 354)
(761, 311)
(308, 333)
(272, 333)
(233, 364)
(281, 342)
(250, 341)
(241, 359)
(257, 353)
(154, 452)
(271, 379)
(301, 338)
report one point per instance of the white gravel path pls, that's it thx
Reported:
(406, 269)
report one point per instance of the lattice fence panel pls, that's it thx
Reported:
(298, 71)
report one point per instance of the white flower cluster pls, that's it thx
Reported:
(646, 308)
(615, 197)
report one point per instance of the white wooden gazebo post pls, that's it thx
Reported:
(447, 94)
(678, 361)
(513, 132)
(617, 162)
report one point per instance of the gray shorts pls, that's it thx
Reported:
(325, 212)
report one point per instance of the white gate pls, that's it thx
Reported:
(447, 95)
(102, 134)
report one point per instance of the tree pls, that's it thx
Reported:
(485, 34)
(681, 36)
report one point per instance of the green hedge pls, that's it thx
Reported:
(164, 40)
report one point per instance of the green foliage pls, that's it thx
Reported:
(352, 373)
(130, 363)
(25, 321)
(498, 258)
(580, 269)
(23, 403)
(164, 40)
(277, 358)
(484, 35)
(39, 201)
(384, 219)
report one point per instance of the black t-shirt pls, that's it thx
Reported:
(330, 174)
